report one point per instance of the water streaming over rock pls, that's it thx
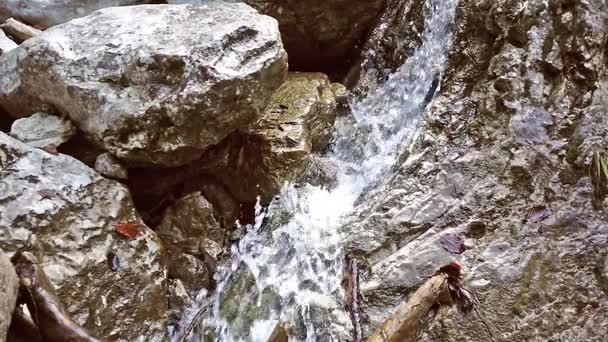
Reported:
(288, 268)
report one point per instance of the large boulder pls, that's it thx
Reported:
(159, 90)
(321, 35)
(505, 166)
(9, 288)
(111, 284)
(297, 121)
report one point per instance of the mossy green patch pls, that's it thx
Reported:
(599, 176)
(533, 284)
(572, 150)
(279, 219)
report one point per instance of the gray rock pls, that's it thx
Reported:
(42, 129)
(110, 167)
(190, 225)
(321, 35)
(389, 44)
(191, 270)
(52, 12)
(319, 172)
(179, 299)
(71, 213)
(297, 121)
(194, 240)
(512, 129)
(6, 44)
(154, 91)
(255, 162)
(9, 287)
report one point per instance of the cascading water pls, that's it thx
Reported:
(289, 265)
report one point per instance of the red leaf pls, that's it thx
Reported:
(128, 230)
(452, 243)
(47, 193)
(452, 269)
(51, 148)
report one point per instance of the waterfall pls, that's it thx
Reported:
(291, 269)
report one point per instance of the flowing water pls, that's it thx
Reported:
(289, 265)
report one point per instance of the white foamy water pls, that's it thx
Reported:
(298, 266)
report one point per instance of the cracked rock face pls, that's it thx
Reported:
(111, 285)
(503, 161)
(389, 44)
(157, 90)
(194, 240)
(320, 35)
(297, 121)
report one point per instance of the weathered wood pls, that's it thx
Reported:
(23, 329)
(19, 30)
(48, 313)
(404, 322)
(278, 334)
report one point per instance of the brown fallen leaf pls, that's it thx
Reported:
(127, 230)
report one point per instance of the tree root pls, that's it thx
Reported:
(48, 314)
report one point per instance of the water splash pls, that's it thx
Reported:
(291, 269)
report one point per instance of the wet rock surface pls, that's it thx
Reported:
(70, 215)
(154, 91)
(42, 129)
(239, 310)
(194, 240)
(231, 175)
(297, 122)
(389, 44)
(322, 35)
(9, 287)
(503, 161)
